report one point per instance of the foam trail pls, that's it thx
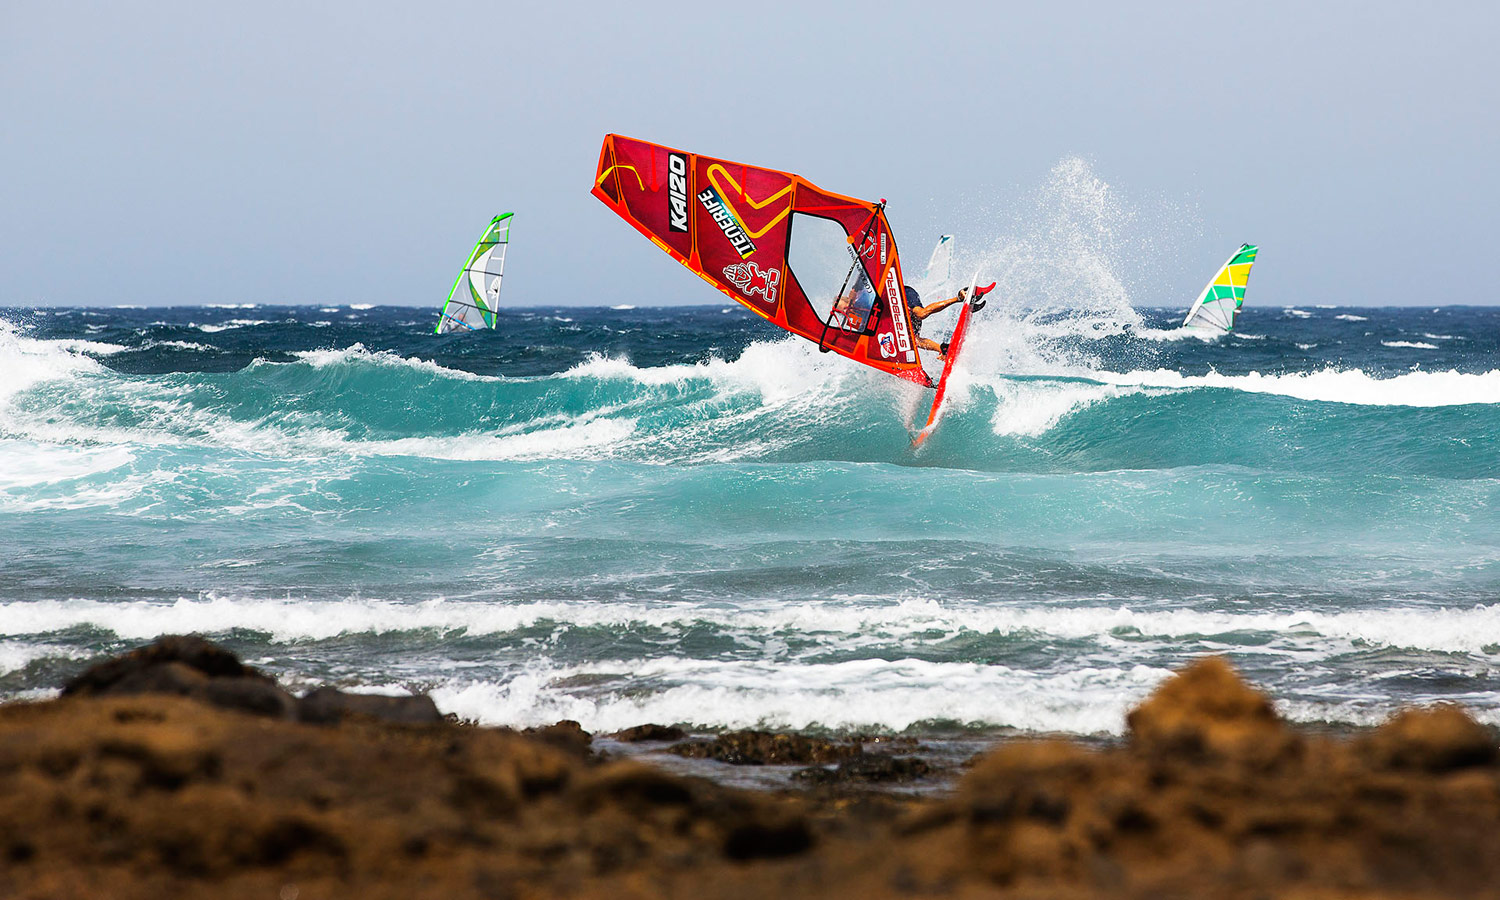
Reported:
(892, 695)
(1352, 386)
(1450, 630)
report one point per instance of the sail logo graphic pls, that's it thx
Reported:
(887, 345)
(751, 279)
(897, 305)
(727, 221)
(677, 192)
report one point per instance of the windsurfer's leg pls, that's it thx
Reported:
(930, 344)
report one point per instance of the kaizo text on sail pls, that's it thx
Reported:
(677, 191)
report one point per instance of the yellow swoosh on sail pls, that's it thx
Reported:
(605, 174)
(723, 195)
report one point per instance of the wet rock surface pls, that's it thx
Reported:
(329, 706)
(765, 748)
(868, 769)
(650, 733)
(138, 783)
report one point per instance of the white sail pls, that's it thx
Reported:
(1218, 305)
(475, 295)
(937, 281)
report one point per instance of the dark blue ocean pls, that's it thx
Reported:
(678, 515)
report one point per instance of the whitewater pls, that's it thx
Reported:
(628, 513)
(631, 514)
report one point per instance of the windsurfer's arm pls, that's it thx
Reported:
(922, 312)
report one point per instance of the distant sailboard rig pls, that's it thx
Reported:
(1218, 306)
(820, 265)
(940, 266)
(475, 295)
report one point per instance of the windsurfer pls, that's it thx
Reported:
(918, 312)
(853, 308)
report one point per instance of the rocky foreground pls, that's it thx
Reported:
(178, 772)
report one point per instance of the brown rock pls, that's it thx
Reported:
(869, 768)
(764, 748)
(1434, 739)
(329, 706)
(188, 666)
(566, 735)
(1207, 708)
(650, 733)
(758, 840)
(151, 668)
(153, 795)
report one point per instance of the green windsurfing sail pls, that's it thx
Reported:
(475, 296)
(1218, 306)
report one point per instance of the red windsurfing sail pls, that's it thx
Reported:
(820, 265)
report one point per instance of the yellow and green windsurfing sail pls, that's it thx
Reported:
(1219, 305)
(475, 295)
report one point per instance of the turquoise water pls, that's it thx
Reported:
(673, 515)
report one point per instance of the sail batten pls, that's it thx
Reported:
(1218, 304)
(475, 294)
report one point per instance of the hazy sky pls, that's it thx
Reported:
(179, 153)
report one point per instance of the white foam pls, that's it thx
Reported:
(95, 348)
(357, 354)
(1031, 408)
(1179, 334)
(174, 418)
(1441, 337)
(1296, 313)
(1442, 629)
(1450, 388)
(1350, 317)
(177, 345)
(779, 370)
(16, 655)
(861, 694)
(1086, 691)
(623, 306)
(589, 438)
(24, 464)
(28, 362)
(1411, 345)
(228, 326)
(361, 306)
